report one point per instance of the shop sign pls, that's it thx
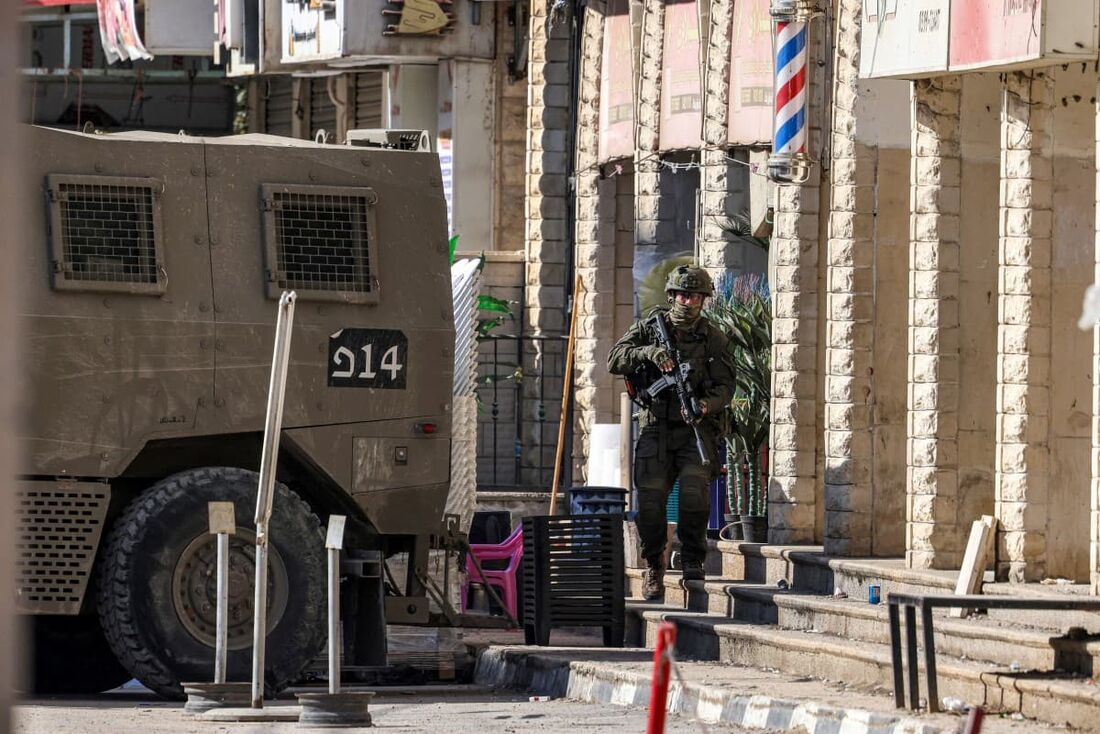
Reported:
(1007, 34)
(751, 86)
(617, 85)
(681, 81)
(904, 38)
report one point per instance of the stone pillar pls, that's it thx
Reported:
(792, 484)
(1024, 323)
(849, 330)
(595, 259)
(546, 200)
(932, 455)
(1094, 544)
(647, 164)
(716, 253)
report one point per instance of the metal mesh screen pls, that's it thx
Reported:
(58, 531)
(322, 242)
(107, 233)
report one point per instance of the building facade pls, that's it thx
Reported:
(927, 278)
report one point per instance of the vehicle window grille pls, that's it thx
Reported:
(322, 241)
(107, 233)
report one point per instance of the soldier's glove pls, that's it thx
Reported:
(703, 409)
(658, 355)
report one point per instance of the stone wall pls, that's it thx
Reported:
(595, 255)
(1024, 325)
(647, 166)
(1073, 196)
(511, 140)
(932, 475)
(793, 506)
(1094, 545)
(979, 144)
(545, 211)
(849, 387)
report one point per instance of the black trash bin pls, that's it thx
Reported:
(573, 575)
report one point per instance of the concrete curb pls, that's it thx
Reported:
(603, 683)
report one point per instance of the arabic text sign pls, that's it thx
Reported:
(617, 86)
(681, 82)
(751, 84)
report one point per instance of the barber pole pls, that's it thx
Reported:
(790, 162)
(790, 88)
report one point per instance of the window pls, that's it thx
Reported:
(318, 242)
(105, 234)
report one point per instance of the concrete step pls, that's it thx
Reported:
(975, 638)
(1063, 620)
(807, 568)
(1057, 699)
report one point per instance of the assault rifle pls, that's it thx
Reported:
(678, 379)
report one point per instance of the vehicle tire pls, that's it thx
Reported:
(71, 655)
(157, 590)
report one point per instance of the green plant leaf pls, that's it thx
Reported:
(499, 305)
(452, 245)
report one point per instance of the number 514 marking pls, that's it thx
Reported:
(345, 355)
(376, 358)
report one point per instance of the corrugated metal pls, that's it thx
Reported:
(277, 105)
(368, 99)
(462, 498)
(465, 280)
(322, 112)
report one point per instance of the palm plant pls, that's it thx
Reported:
(742, 310)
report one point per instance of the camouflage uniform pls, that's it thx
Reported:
(666, 449)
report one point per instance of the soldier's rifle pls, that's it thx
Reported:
(678, 379)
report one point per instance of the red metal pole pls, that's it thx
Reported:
(974, 720)
(658, 693)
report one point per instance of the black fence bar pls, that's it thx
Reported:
(517, 376)
(926, 603)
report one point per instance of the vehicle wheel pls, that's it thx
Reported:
(71, 655)
(158, 588)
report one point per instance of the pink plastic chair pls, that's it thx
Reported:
(504, 579)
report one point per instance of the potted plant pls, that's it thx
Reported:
(742, 309)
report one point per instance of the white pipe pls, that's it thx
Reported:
(334, 639)
(266, 494)
(222, 634)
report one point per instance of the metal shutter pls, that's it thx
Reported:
(322, 112)
(278, 112)
(368, 99)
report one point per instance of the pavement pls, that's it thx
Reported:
(455, 710)
(577, 667)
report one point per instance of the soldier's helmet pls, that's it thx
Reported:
(689, 279)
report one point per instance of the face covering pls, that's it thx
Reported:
(684, 316)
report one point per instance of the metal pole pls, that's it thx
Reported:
(222, 633)
(266, 494)
(222, 520)
(334, 543)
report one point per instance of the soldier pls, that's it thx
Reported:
(666, 449)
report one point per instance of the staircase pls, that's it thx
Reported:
(822, 626)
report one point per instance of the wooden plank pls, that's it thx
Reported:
(979, 548)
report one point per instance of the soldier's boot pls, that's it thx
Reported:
(693, 571)
(653, 587)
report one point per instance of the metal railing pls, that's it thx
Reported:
(519, 400)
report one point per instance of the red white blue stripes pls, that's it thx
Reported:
(790, 88)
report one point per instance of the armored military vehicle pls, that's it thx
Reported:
(152, 280)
